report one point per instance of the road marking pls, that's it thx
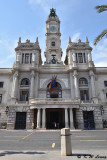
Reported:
(94, 140)
(28, 135)
(43, 139)
(85, 136)
(9, 140)
(11, 136)
(53, 145)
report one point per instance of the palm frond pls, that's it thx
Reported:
(104, 33)
(101, 8)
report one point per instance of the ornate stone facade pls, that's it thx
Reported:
(78, 98)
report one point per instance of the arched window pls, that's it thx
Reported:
(83, 81)
(25, 81)
(55, 92)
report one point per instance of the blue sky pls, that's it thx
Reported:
(26, 19)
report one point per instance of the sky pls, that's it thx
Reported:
(26, 19)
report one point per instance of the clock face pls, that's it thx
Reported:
(53, 28)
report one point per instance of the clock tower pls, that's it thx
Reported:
(53, 51)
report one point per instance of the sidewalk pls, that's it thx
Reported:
(52, 155)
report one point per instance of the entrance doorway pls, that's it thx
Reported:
(20, 120)
(55, 118)
(88, 120)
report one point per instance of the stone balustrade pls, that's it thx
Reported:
(54, 101)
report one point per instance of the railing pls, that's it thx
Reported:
(22, 102)
(53, 100)
(86, 101)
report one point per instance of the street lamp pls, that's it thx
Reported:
(7, 110)
(102, 110)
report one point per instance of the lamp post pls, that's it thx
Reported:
(7, 110)
(102, 109)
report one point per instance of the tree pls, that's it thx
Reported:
(100, 9)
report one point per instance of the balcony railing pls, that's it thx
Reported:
(54, 101)
(86, 101)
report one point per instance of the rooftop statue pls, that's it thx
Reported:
(52, 13)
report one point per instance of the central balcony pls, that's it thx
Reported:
(50, 101)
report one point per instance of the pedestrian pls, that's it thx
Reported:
(32, 125)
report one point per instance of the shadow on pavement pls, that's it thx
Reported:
(80, 155)
(13, 152)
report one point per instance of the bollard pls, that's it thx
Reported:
(66, 149)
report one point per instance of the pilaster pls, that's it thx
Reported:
(32, 84)
(76, 84)
(72, 85)
(36, 84)
(15, 85)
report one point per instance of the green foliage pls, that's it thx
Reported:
(104, 33)
(101, 8)
(99, 37)
(3, 123)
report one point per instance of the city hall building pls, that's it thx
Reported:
(53, 94)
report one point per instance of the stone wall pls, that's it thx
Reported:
(79, 119)
(98, 118)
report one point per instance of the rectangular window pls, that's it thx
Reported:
(1, 84)
(76, 58)
(105, 83)
(22, 58)
(24, 95)
(80, 58)
(31, 58)
(53, 43)
(106, 95)
(84, 58)
(84, 95)
(26, 58)
(0, 98)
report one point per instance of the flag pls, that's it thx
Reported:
(53, 82)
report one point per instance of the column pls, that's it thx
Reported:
(71, 119)
(32, 84)
(36, 85)
(71, 85)
(92, 83)
(66, 118)
(76, 84)
(43, 118)
(15, 85)
(38, 118)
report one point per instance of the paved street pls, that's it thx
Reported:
(41, 142)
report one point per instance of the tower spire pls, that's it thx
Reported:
(87, 40)
(69, 39)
